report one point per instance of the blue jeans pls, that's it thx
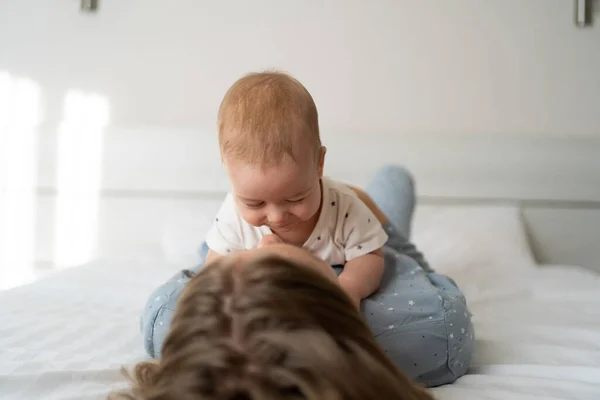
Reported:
(420, 318)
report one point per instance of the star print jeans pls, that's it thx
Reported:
(420, 318)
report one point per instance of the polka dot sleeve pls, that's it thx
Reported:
(361, 231)
(224, 235)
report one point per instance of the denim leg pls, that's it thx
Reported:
(392, 189)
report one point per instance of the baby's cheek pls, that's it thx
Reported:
(253, 218)
(308, 211)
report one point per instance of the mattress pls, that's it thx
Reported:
(537, 327)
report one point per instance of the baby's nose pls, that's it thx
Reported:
(276, 217)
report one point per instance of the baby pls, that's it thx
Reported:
(270, 145)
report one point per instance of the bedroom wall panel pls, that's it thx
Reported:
(159, 188)
(186, 162)
(157, 197)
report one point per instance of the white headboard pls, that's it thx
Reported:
(152, 178)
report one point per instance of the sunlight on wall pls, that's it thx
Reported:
(19, 118)
(80, 141)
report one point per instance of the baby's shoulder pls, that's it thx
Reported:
(228, 217)
(228, 210)
(339, 192)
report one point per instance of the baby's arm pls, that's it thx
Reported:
(368, 201)
(362, 275)
(363, 237)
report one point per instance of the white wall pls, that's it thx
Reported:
(395, 81)
(386, 66)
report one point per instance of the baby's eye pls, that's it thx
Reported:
(296, 200)
(255, 205)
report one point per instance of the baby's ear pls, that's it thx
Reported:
(322, 160)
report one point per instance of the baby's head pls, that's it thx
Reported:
(270, 144)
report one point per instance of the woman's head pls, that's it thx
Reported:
(268, 327)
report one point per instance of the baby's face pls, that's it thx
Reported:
(282, 197)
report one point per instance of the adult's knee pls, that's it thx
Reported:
(396, 172)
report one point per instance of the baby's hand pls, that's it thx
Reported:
(270, 239)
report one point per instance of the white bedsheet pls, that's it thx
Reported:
(538, 336)
(538, 329)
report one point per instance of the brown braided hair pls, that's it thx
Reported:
(268, 329)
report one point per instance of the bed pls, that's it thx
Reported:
(515, 221)
(67, 336)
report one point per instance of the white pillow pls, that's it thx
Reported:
(458, 238)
